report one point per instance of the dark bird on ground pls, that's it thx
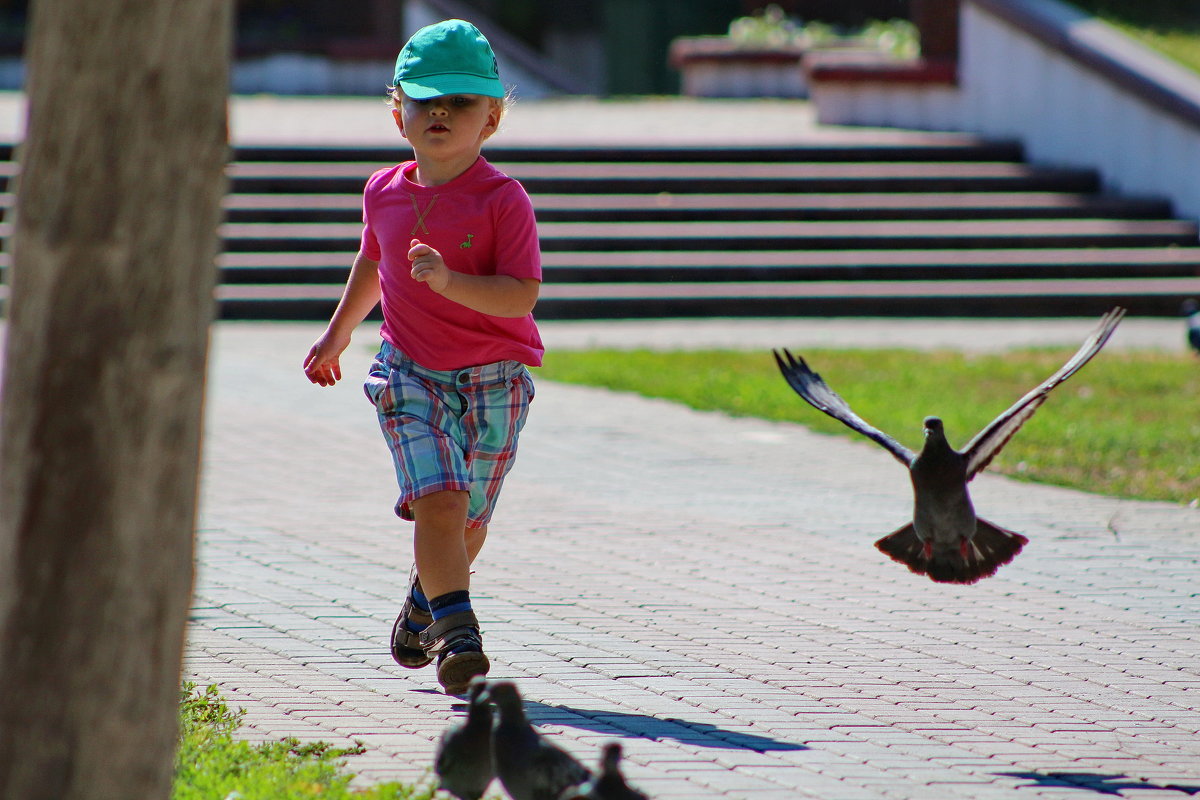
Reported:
(609, 784)
(945, 540)
(529, 766)
(464, 763)
(1191, 312)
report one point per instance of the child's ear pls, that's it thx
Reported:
(496, 111)
(396, 115)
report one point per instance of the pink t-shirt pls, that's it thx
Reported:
(483, 224)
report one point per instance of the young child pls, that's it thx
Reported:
(450, 248)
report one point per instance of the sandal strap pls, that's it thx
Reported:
(414, 585)
(409, 612)
(448, 629)
(403, 637)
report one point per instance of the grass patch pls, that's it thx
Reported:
(213, 765)
(1178, 45)
(1170, 26)
(1126, 425)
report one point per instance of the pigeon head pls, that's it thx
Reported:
(504, 695)
(476, 689)
(935, 436)
(1190, 306)
(477, 699)
(610, 757)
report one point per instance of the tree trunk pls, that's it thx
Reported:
(118, 203)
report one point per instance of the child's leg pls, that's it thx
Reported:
(440, 543)
(443, 548)
(473, 539)
(453, 437)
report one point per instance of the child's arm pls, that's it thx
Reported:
(322, 366)
(496, 295)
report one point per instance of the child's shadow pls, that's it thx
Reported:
(641, 726)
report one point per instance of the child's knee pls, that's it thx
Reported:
(446, 505)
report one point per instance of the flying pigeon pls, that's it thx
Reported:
(529, 766)
(945, 540)
(464, 763)
(1191, 310)
(609, 784)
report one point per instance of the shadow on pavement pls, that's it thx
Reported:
(1098, 782)
(642, 726)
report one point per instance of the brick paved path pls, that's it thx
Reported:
(702, 588)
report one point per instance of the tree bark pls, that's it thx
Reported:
(118, 203)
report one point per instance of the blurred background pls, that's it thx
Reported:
(593, 47)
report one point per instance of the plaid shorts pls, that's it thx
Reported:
(450, 430)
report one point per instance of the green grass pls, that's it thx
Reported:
(1126, 425)
(1170, 26)
(212, 764)
(1181, 46)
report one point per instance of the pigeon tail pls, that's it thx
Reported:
(903, 545)
(979, 557)
(992, 547)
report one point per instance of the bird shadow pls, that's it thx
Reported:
(1098, 782)
(643, 726)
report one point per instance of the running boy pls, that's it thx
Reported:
(450, 248)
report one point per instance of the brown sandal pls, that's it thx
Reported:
(456, 667)
(406, 645)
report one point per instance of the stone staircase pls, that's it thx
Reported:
(908, 230)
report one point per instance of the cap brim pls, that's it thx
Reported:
(438, 85)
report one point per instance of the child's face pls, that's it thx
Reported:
(449, 125)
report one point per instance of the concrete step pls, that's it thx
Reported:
(935, 148)
(700, 178)
(999, 298)
(660, 266)
(764, 207)
(702, 236)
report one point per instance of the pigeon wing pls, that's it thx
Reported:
(463, 763)
(554, 770)
(988, 442)
(448, 766)
(813, 389)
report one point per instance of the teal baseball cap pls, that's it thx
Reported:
(450, 57)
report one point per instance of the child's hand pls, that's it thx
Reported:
(321, 365)
(428, 266)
